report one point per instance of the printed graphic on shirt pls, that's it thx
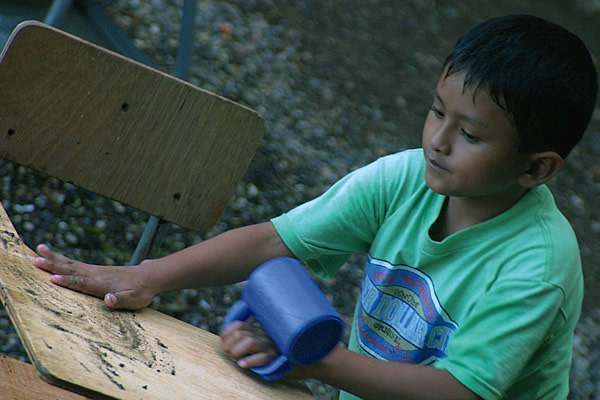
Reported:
(400, 318)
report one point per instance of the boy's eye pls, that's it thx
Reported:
(468, 137)
(436, 111)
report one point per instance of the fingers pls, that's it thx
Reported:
(54, 262)
(111, 300)
(78, 283)
(248, 345)
(73, 274)
(126, 299)
(44, 251)
(255, 360)
(120, 287)
(66, 272)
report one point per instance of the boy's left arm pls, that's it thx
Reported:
(361, 375)
(370, 378)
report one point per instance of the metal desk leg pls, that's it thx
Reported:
(147, 241)
(57, 10)
(186, 39)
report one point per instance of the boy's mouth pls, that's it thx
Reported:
(434, 164)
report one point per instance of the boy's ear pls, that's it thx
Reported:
(541, 168)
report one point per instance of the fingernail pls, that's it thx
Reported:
(56, 277)
(111, 298)
(242, 363)
(40, 259)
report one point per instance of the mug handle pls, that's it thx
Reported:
(275, 370)
(239, 312)
(272, 371)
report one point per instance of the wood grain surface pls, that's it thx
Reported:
(120, 129)
(76, 342)
(20, 381)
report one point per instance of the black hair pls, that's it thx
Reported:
(541, 74)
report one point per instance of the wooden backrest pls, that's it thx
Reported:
(100, 121)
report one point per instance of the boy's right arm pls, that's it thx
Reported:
(223, 259)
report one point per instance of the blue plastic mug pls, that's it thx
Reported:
(293, 311)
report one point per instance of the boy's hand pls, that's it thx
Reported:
(119, 286)
(249, 346)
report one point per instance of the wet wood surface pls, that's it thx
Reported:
(108, 124)
(76, 342)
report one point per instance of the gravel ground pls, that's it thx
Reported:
(339, 83)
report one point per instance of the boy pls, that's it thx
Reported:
(473, 284)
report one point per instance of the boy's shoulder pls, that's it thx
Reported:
(545, 216)
(405, 166)
(386, 174)
(412, 156)
(542, 240)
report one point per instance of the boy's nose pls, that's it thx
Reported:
(441, 139)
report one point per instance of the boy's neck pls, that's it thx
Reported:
(460, 213)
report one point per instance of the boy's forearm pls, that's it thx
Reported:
(370, 378)
(224, 259)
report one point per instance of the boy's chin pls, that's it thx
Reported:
(436, 186)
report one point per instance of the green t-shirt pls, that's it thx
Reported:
(495, 304)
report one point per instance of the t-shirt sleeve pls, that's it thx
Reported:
(501, 334)
(326, 231)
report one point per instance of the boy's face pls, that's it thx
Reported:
(470, 144)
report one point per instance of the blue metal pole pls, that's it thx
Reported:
(57, 10)
(186, 40)
(118, 39)
(146, 241)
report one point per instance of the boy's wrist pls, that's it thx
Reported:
(149, 277)
(321, 370)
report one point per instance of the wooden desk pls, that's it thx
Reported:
(78, 343)
(20, 381)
